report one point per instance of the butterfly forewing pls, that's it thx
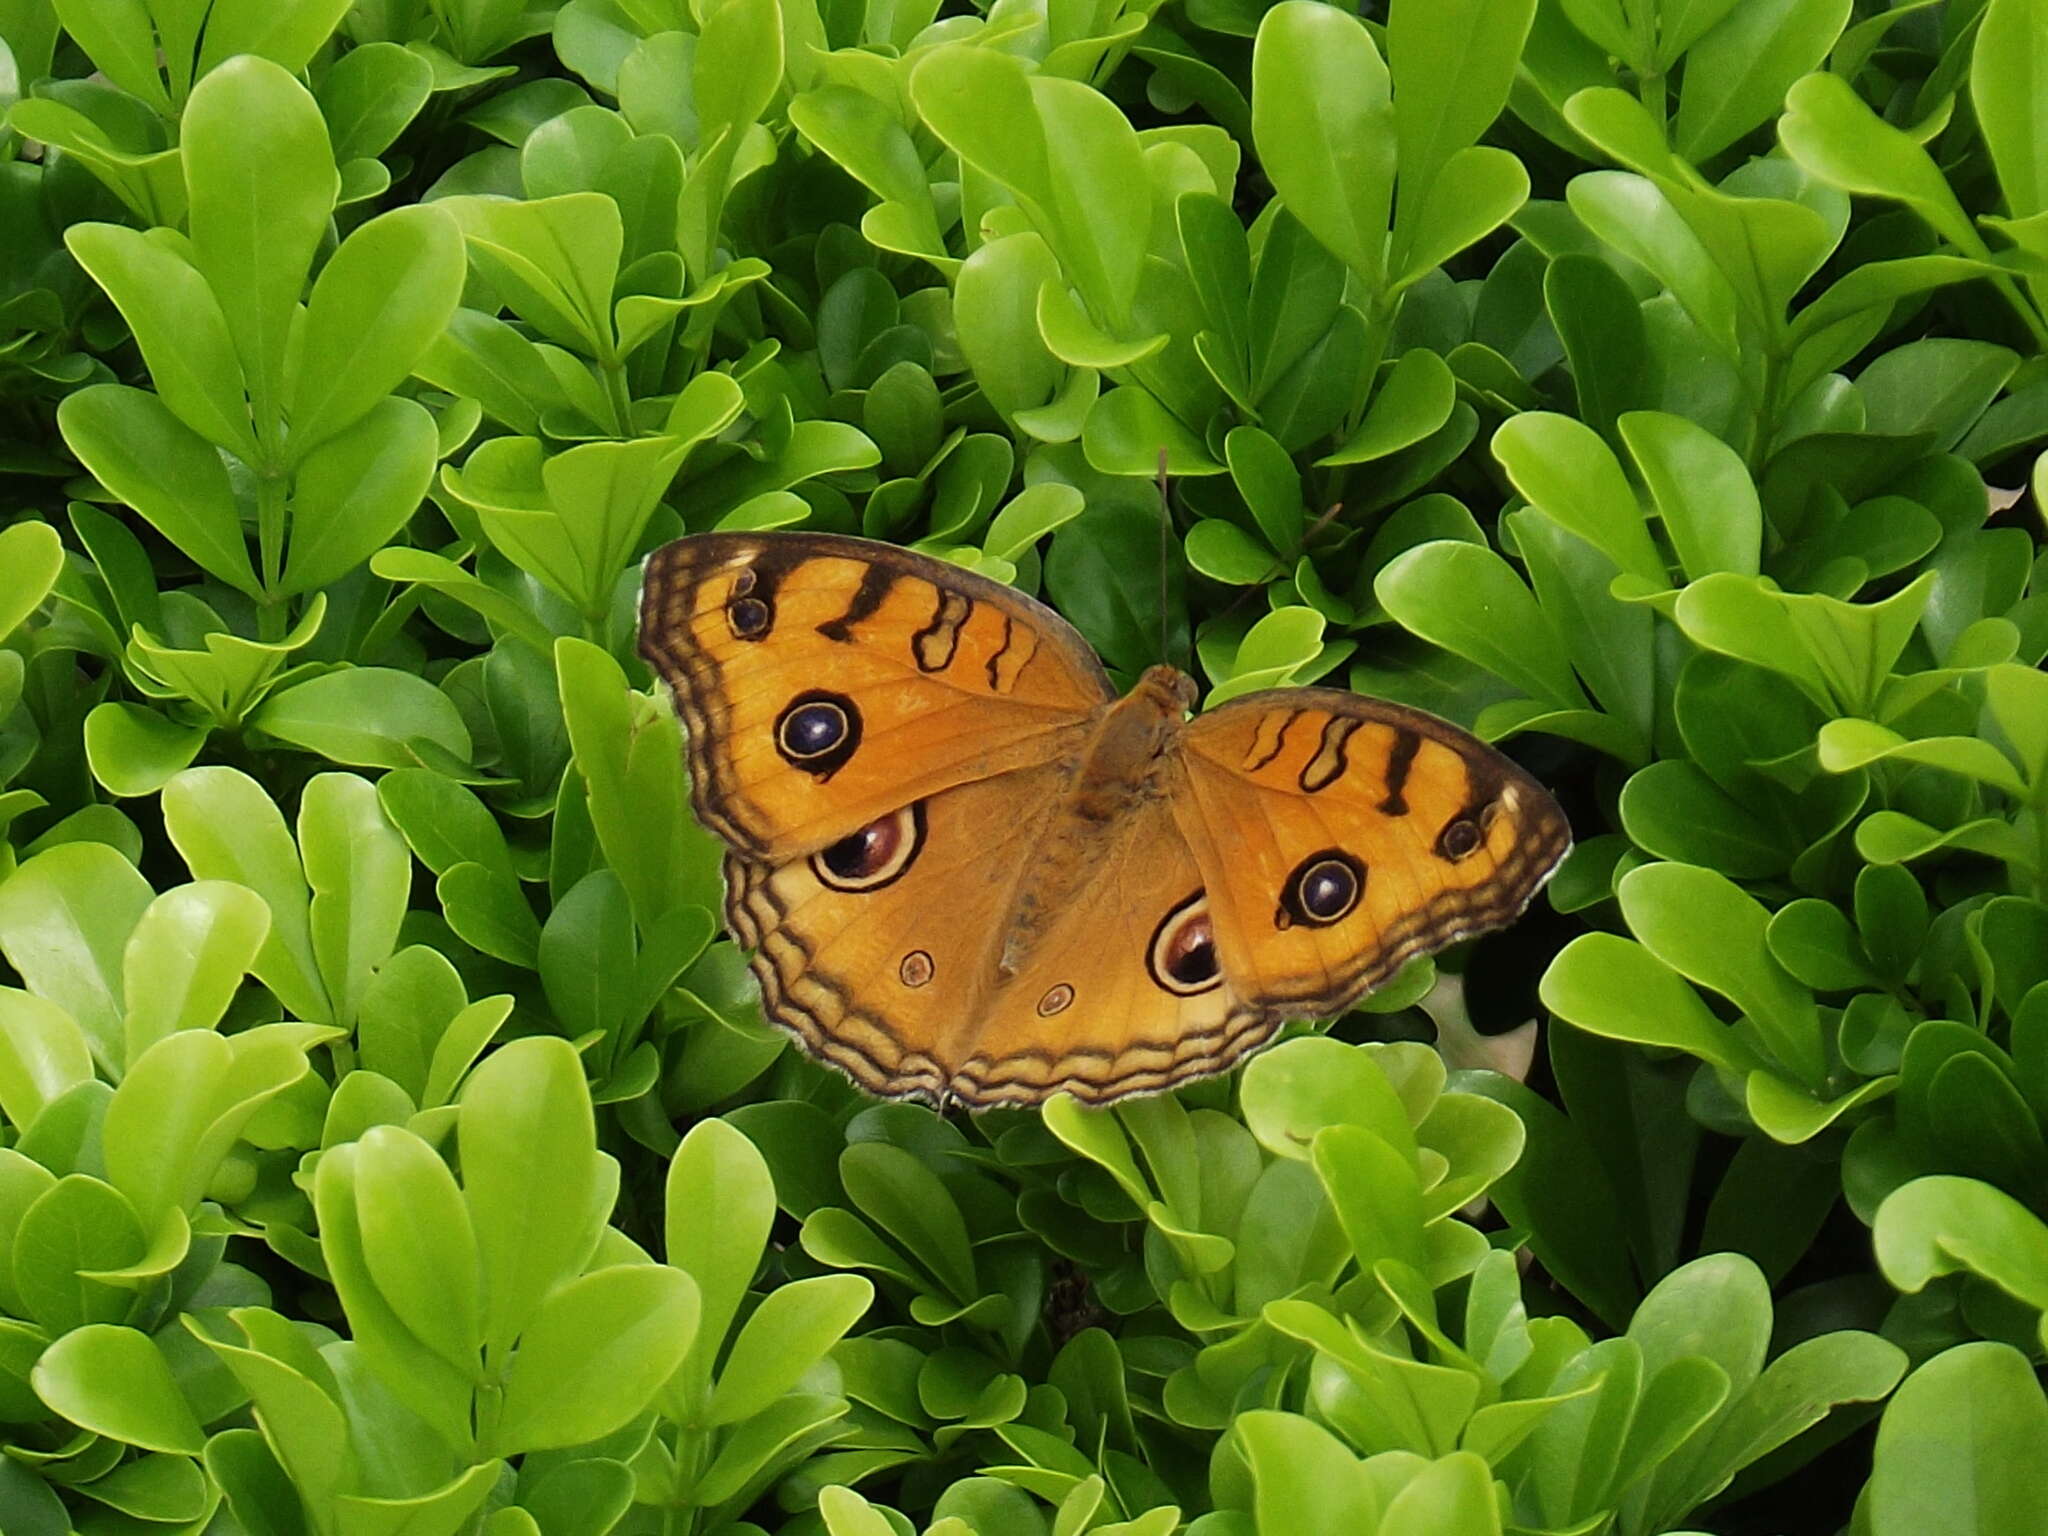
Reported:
(824, 682)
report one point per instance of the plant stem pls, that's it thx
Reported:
(1379, 325)
(1650, 89)
(270, 552)
(2039, 811)
(2029, 316)
(621, 399)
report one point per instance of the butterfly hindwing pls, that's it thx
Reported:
(893, 969)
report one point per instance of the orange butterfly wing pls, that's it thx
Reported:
(937, 676)
(1344, 836)
(899, 982)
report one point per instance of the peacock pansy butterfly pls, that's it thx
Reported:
(971, 873)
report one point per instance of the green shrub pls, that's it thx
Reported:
(391, 1143)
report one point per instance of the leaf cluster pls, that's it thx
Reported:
(390, 1140)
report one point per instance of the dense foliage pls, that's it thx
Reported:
(393, 1145)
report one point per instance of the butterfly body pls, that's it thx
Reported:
(970, 871)
(1125, 761)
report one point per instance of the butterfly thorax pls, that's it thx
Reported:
(1122, 758)
(1124, 761)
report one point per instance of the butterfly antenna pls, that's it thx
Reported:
(1165, 554)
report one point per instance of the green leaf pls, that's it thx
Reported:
(65, 918)
(186, 959)
(594, 1354)
(304, 1450)
(868, 141)
(1828, 130)
(1939, 385)
(2008, 78)
(630, 754)
(227, 828)
(1632, 215)
(907, 1200)
(1600, 322)
(1736, 75)
(383, 298)
(1374, 1192)
(1294, 1090)
(1702, 492)
(1813, 940)
(538, 1189)
(121, 42)
(1224, 552)
(1479, 190)
(134, 751)
(286, 35)
(1709, 930)
(1453, 1494)
(1323, 120)
(1267, 479)
(505, 614)
(257, 217)
(1452, 66)
(2018, 700)
(1943, 1225)
(792, 1329)
(417, 1243)
(1609, 986)
(1961, 1448)
(370, 94)
(75, 1235)
(1673, 810)
(151, 460)
(443, 823)
(552, 260)
(356, 490)
(1838, 653)
(1029, 516)
(116, 1382)
(43, 1055)
(183, 1104)
(1468, 600)
(371, 717)
(1565, 470)
(1306, 1479)
(179, 325)
(1130, 433)
(1846, 745)
(1414, 401)
(31, 556)
(995, 311)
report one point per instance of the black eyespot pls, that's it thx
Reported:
(750, 600)
(1460, 839)
(818, 732)
(1182, 957)
(1323, 889)
(874, 856)
(812, 730)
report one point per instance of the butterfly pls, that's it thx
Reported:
(971, 873)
